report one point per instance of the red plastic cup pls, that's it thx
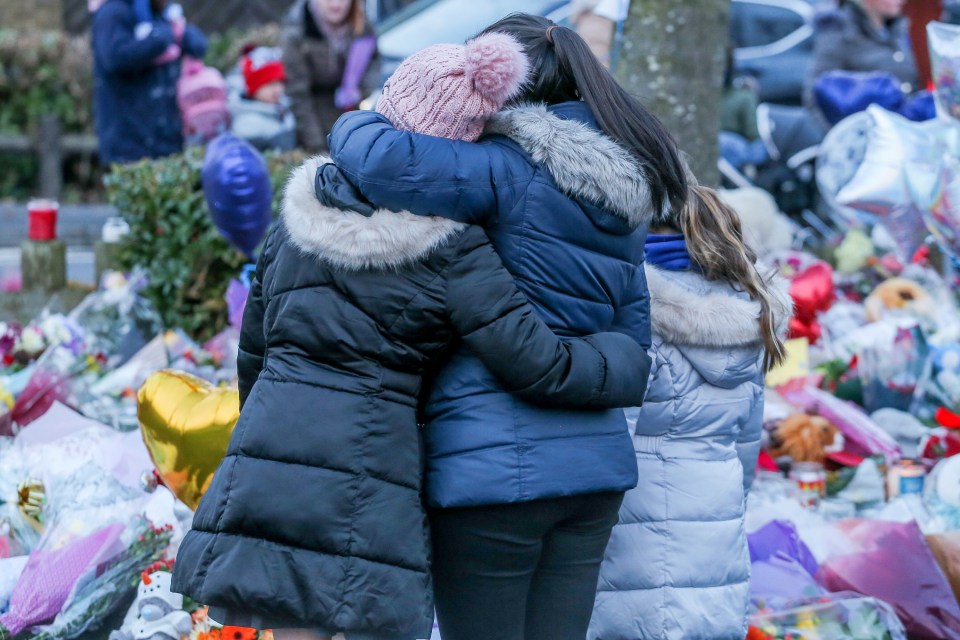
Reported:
(42, 220)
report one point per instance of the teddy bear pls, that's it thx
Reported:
(160, 614)
(805, 438)
(899, 295)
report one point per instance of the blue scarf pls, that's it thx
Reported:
(668, 252)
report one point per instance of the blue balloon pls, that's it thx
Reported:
(843, 93)
(236, 185)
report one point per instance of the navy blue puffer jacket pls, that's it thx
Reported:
(566, 208)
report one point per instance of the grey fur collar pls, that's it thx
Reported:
(584, 162)
(710, 315)
(351, 241)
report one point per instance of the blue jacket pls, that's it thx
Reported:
(677, 566)
(567, 209)
(135, 101)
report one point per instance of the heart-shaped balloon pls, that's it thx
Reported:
(813, 292)
(186, 424)
(236, 184)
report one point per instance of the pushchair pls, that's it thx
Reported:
(784, 166)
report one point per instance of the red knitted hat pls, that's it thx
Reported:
(261, 67)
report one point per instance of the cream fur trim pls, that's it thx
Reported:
(348, 240)
(712, 318)
(584, 162)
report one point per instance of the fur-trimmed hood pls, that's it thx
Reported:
(713, 326)
(348, 240)
(586, 164)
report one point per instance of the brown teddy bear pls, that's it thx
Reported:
(899, 294)
(805, 438)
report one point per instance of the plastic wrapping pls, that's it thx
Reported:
(52, 573)
(891, 371)
(108, 328)
(97, 594)
(839, 616)
(893, 563)
(944, 42)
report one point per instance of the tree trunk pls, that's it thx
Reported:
(672, 59)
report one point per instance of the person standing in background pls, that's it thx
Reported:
(137, 49)
(596, 21)
(329, 51)
(863, 35)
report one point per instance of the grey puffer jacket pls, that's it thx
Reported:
(677, 565)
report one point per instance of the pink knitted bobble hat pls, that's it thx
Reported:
(450, 90)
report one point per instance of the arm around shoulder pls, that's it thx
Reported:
(499, 325)
(404, 171)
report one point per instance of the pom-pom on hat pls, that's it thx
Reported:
(450, 90)
(260, 67)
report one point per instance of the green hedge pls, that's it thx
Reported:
(187, 261)
(40, 72)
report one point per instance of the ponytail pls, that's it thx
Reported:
(715, 243)
(563, 69)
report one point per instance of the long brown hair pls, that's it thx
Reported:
(714, 239)
(563, 68)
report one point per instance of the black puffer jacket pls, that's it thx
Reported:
(314, 519)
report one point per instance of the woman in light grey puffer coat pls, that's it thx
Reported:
(677, 564)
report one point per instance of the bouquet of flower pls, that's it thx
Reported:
(19, 346)
(205, 629)
(6, 406)
(838, 616)
(103, 590)
(115, 323)
(890, 372)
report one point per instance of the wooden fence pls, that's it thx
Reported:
(51, 146)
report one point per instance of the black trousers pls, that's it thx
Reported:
(525, 571)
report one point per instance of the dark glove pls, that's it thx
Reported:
(334, 190)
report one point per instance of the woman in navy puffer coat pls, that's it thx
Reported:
(523, 498)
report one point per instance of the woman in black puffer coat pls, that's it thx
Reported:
(314, 519)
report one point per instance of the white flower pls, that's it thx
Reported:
(55, 329)
(31, 340)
